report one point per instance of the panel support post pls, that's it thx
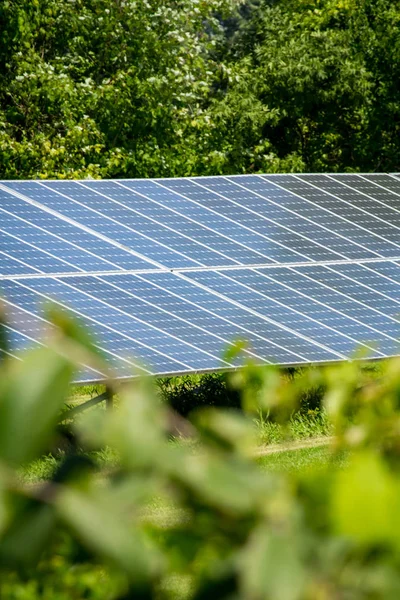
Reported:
(109, 398)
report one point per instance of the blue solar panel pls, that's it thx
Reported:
(62, 239)
(275, 344)
(390, 183)
(169, 273)
(366, 211)
(12, 266)
(300, 313)
(248, 246)
(324, 229)
(371, 188)
(112, 229)
(272, 239)
(159, 223)
(344, 217)
(368, 276)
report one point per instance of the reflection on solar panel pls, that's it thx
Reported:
(169, 273)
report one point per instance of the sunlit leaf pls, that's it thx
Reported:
(365, 501)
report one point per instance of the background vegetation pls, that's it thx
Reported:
(129, 512)
(137, 88)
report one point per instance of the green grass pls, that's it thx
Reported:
(301, 459)
(312, 424)
(43, 468)
(81, 393)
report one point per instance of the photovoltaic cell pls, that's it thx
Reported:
(349, 219)
(388, 182)
(372, 189)
(170, 273)
(321, 227)
(299, 313)
(239, 242)
(366, 211)
(277, 345)
(12, 266)
(60, 238)
(271, 239)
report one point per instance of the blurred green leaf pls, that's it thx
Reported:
(227, 484)
(98, 522)
(227, 429)
(365, 501)
(28, 535)
(272, 566)
(138, 429)
(71, 338)
(30, 400)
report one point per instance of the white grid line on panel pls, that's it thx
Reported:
(167, 227)
(262, 217)
(288, 210)
(348, 185)
(36, 341)
(327, 210)
(264, 318)
(77, 225)
(371, 181)
(143, 235)
(198, 223)
(7, 353)
(293, 310)
(82, 273)
(211, 210)
(352, 300)
(369, 231)
(365, 284)
(97, 212)
(16, 237)
(394, 176)
(74, 310)
(154, 327)
(299, 216)
(142, 370)
(40, 318)
(246, 227)
(134, 319)
(139, 233)
(54, 235)
(18, 260)
(382, 274)
(359, 301)
(211, 312)
(176, 316)
(331, 309)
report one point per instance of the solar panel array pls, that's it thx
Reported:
(169, 273)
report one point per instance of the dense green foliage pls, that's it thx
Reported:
(203, 521)
(117, 88)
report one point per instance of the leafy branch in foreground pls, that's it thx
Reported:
(205, 514)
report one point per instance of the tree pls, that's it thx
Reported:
(103, 88)
(317, 83)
